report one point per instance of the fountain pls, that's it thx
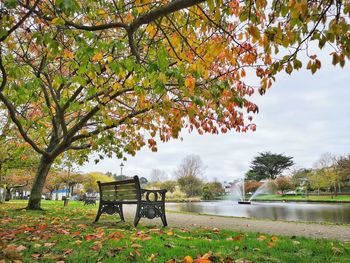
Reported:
(238, 192)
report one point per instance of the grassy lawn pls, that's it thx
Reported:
(66, 234)
(326, 198)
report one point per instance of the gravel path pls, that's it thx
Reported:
(313, 230)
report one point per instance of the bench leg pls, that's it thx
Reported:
(99, 212)
(121, 214)
(137, 216)
(163, 217)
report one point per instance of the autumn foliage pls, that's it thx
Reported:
(93, 76)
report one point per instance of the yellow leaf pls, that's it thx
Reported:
(57, 21)
(97, 57)
(190, 82)
(188, 259)
(261, 238)
(68, 54)
(254, 32)
(151, 258)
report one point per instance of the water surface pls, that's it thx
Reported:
(291, 211)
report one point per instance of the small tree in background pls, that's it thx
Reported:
(90, 181)
(251, 186)
(188, 175)
(213, 190)
(343, 171)
(191, 185)
(268, 165)
(284, 183)
(158, 175)
(169, 185)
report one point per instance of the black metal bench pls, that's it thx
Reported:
(150, 203)
(90, 200)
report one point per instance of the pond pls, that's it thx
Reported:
(290, 211)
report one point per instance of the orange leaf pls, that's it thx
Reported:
(202, 260)
(97, 57)
(274, 238)
(188, 259)
(261, 238)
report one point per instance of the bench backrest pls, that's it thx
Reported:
(125, 190)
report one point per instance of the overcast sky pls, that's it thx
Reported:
(302, 115)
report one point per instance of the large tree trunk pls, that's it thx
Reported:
(34, 202)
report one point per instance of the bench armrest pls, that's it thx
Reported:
(159, 195)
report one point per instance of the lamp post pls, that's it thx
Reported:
(121, 168)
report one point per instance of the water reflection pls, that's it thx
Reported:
(319, 212)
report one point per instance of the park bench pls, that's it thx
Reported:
(90, 200)
(113, 195)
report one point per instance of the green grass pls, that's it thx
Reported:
(66, 233)
(326, 198)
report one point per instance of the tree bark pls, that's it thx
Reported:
(34, 202)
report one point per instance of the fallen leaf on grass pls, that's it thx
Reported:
(68, 251)
(242, 260)
(236, 238)
(172, 260)
(136, 246)
(75, 234)
(96, 248)
(138, 253)
(78, 242)
(188, 259)
(49, 244)
(295, 242)
(170, 233)
(270, 244)
(274, 238)
(82, 226)
(261, 238)
(151, 258)
(116, 236)
(36, 256)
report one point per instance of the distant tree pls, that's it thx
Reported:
(52, 183)
(251, 185)
(300, 176)
(90, 182)
(326, 168)
(317, 180)
(269, 165)
(212, 190)
(191, 185)
(169, 185)
(190, 165)
(252, 175)
(188, 175)
(19, 180)
(120, 177)
(158, 175)
(326, 160)
(343, 171)
(284, 183)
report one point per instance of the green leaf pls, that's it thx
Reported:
(162, 60)
(10, 4)
(289, 68)
(211, 5)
